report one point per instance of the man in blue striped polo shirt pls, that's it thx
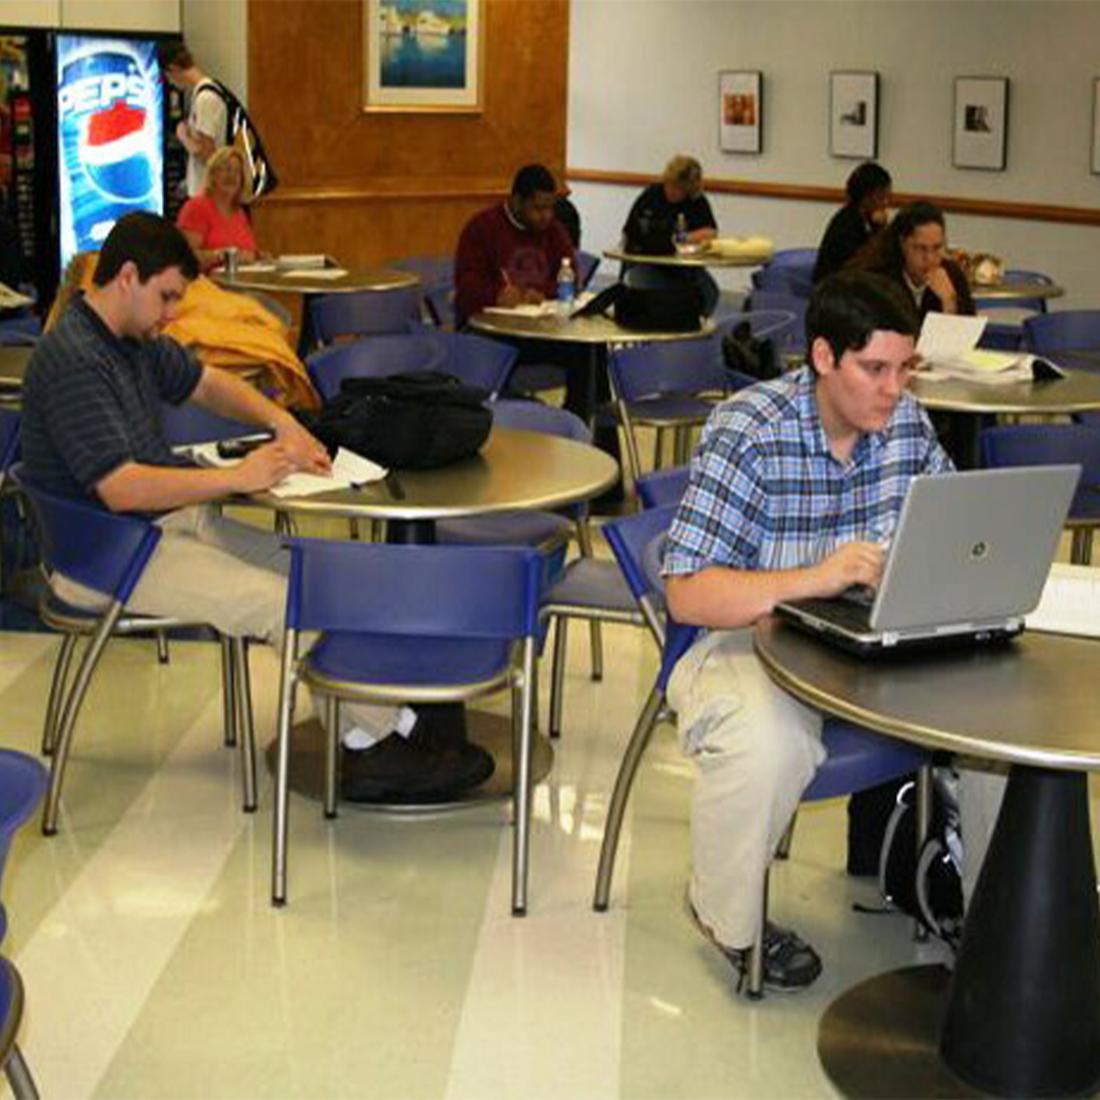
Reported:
(92, 428)
(794, 488)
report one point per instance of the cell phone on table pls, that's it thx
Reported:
(242, 445)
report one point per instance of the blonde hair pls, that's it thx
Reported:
(220, 157)
(685, 172)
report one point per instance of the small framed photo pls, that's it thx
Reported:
(1096, 126)
(853, 115)
(740, 108)
(981, 122)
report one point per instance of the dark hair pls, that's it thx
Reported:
(866, 180)
(883, 251)
(151, 242)
(175, 52)
(847, 308)
(532, 179)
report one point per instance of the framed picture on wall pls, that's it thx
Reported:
(1096, 126)
(422, 55)
(981, 122)
(853, 114)
(740, 107)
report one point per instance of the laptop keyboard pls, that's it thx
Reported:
(850, 614)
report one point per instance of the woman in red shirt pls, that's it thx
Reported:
(217, 219)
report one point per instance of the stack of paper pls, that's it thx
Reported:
(307, 259)
(948, 345)
(1070, 603)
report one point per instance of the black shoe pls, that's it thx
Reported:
(405, 770)
(790, 964)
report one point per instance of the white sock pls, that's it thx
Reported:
(358, 738)
(406, 721)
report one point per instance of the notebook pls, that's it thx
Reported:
(968, 561)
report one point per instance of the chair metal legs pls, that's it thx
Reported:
(521, 796)
(639, 739)
(584, 541)
(282, 770)
(557, 674)
(784, 848)
(19, 1075)
(162, 647)
(229, 699)
(754, 984)
(1081, 546)
(332, 749)
(58, 686)
(62, 736)
(242, 693)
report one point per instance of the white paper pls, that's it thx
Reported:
(259, 268)
(1070, 603)
(315, 273)
(303, 259)
(549, 308)
(947, 336)
(348, 469)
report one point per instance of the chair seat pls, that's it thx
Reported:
(536, 377)
(60, 615)
(671, 410)
(859, 759)
(407, 663)
(591, 583)
(506, 529)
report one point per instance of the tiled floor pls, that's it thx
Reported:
(155, 966)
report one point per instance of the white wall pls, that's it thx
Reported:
(643, 85)
(216, 32)
(130, 15)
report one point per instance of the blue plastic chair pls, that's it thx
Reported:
(1015, 275)
(376, 357)
(1066, 330)
(662, 386)
(587, 264)
(11, 1014)
(794, 257)
(663, 487)
(856, 758)
(441, 304)
(409, 623)
(190, 423)
(430, 270)
(794, 280)
(363, 313)
(108, 552)
(1051, 444)
(23, 782)
(791, 341)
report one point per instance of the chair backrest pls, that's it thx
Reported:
(628, 538)
(1045, 445)
(190, 423)
(679, 367)
(477, 360)
(431, 270)
(533, 416)
(763, 323)
(1065, 330)
(10, 420)
(101, 550)
(441, 303)
(1014, 275)
(375, 357)
(487, 592)
(587, 262)
(794, 257)
(22, 783)
(791, 340)
(662, 487)
(363, 312)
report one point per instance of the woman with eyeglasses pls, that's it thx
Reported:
(912, 250)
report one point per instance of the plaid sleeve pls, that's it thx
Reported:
(175, 370)
(722, 517)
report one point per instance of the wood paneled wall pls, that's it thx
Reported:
(368, 187)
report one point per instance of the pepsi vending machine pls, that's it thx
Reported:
(110, 126)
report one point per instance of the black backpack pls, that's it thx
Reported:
(750, 355)
(241, 133)
(412, 421)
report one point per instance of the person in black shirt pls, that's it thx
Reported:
(653, 222)
(853, 225)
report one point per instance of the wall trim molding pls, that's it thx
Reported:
(952, 204)
(302, 194)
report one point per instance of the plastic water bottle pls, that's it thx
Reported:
(567, 286)
(680, 237)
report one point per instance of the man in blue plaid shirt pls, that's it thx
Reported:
(795, 487)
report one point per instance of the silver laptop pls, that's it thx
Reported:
(968, 561)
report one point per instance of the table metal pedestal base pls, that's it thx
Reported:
(491, 731)
(881, 1038)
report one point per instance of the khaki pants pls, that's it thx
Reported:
(209, 569)
(756, 749)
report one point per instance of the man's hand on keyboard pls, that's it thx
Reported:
(854, 563)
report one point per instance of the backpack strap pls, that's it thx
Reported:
(231, 104)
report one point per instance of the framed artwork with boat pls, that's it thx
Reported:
(422, 55)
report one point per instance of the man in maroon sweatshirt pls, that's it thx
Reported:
(510, 254)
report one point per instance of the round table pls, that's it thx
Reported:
(308, 282)
(967, 401)
(1015, 292)
(705, 258)
(1020, 1015)
(513, 470)
(13, 366)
